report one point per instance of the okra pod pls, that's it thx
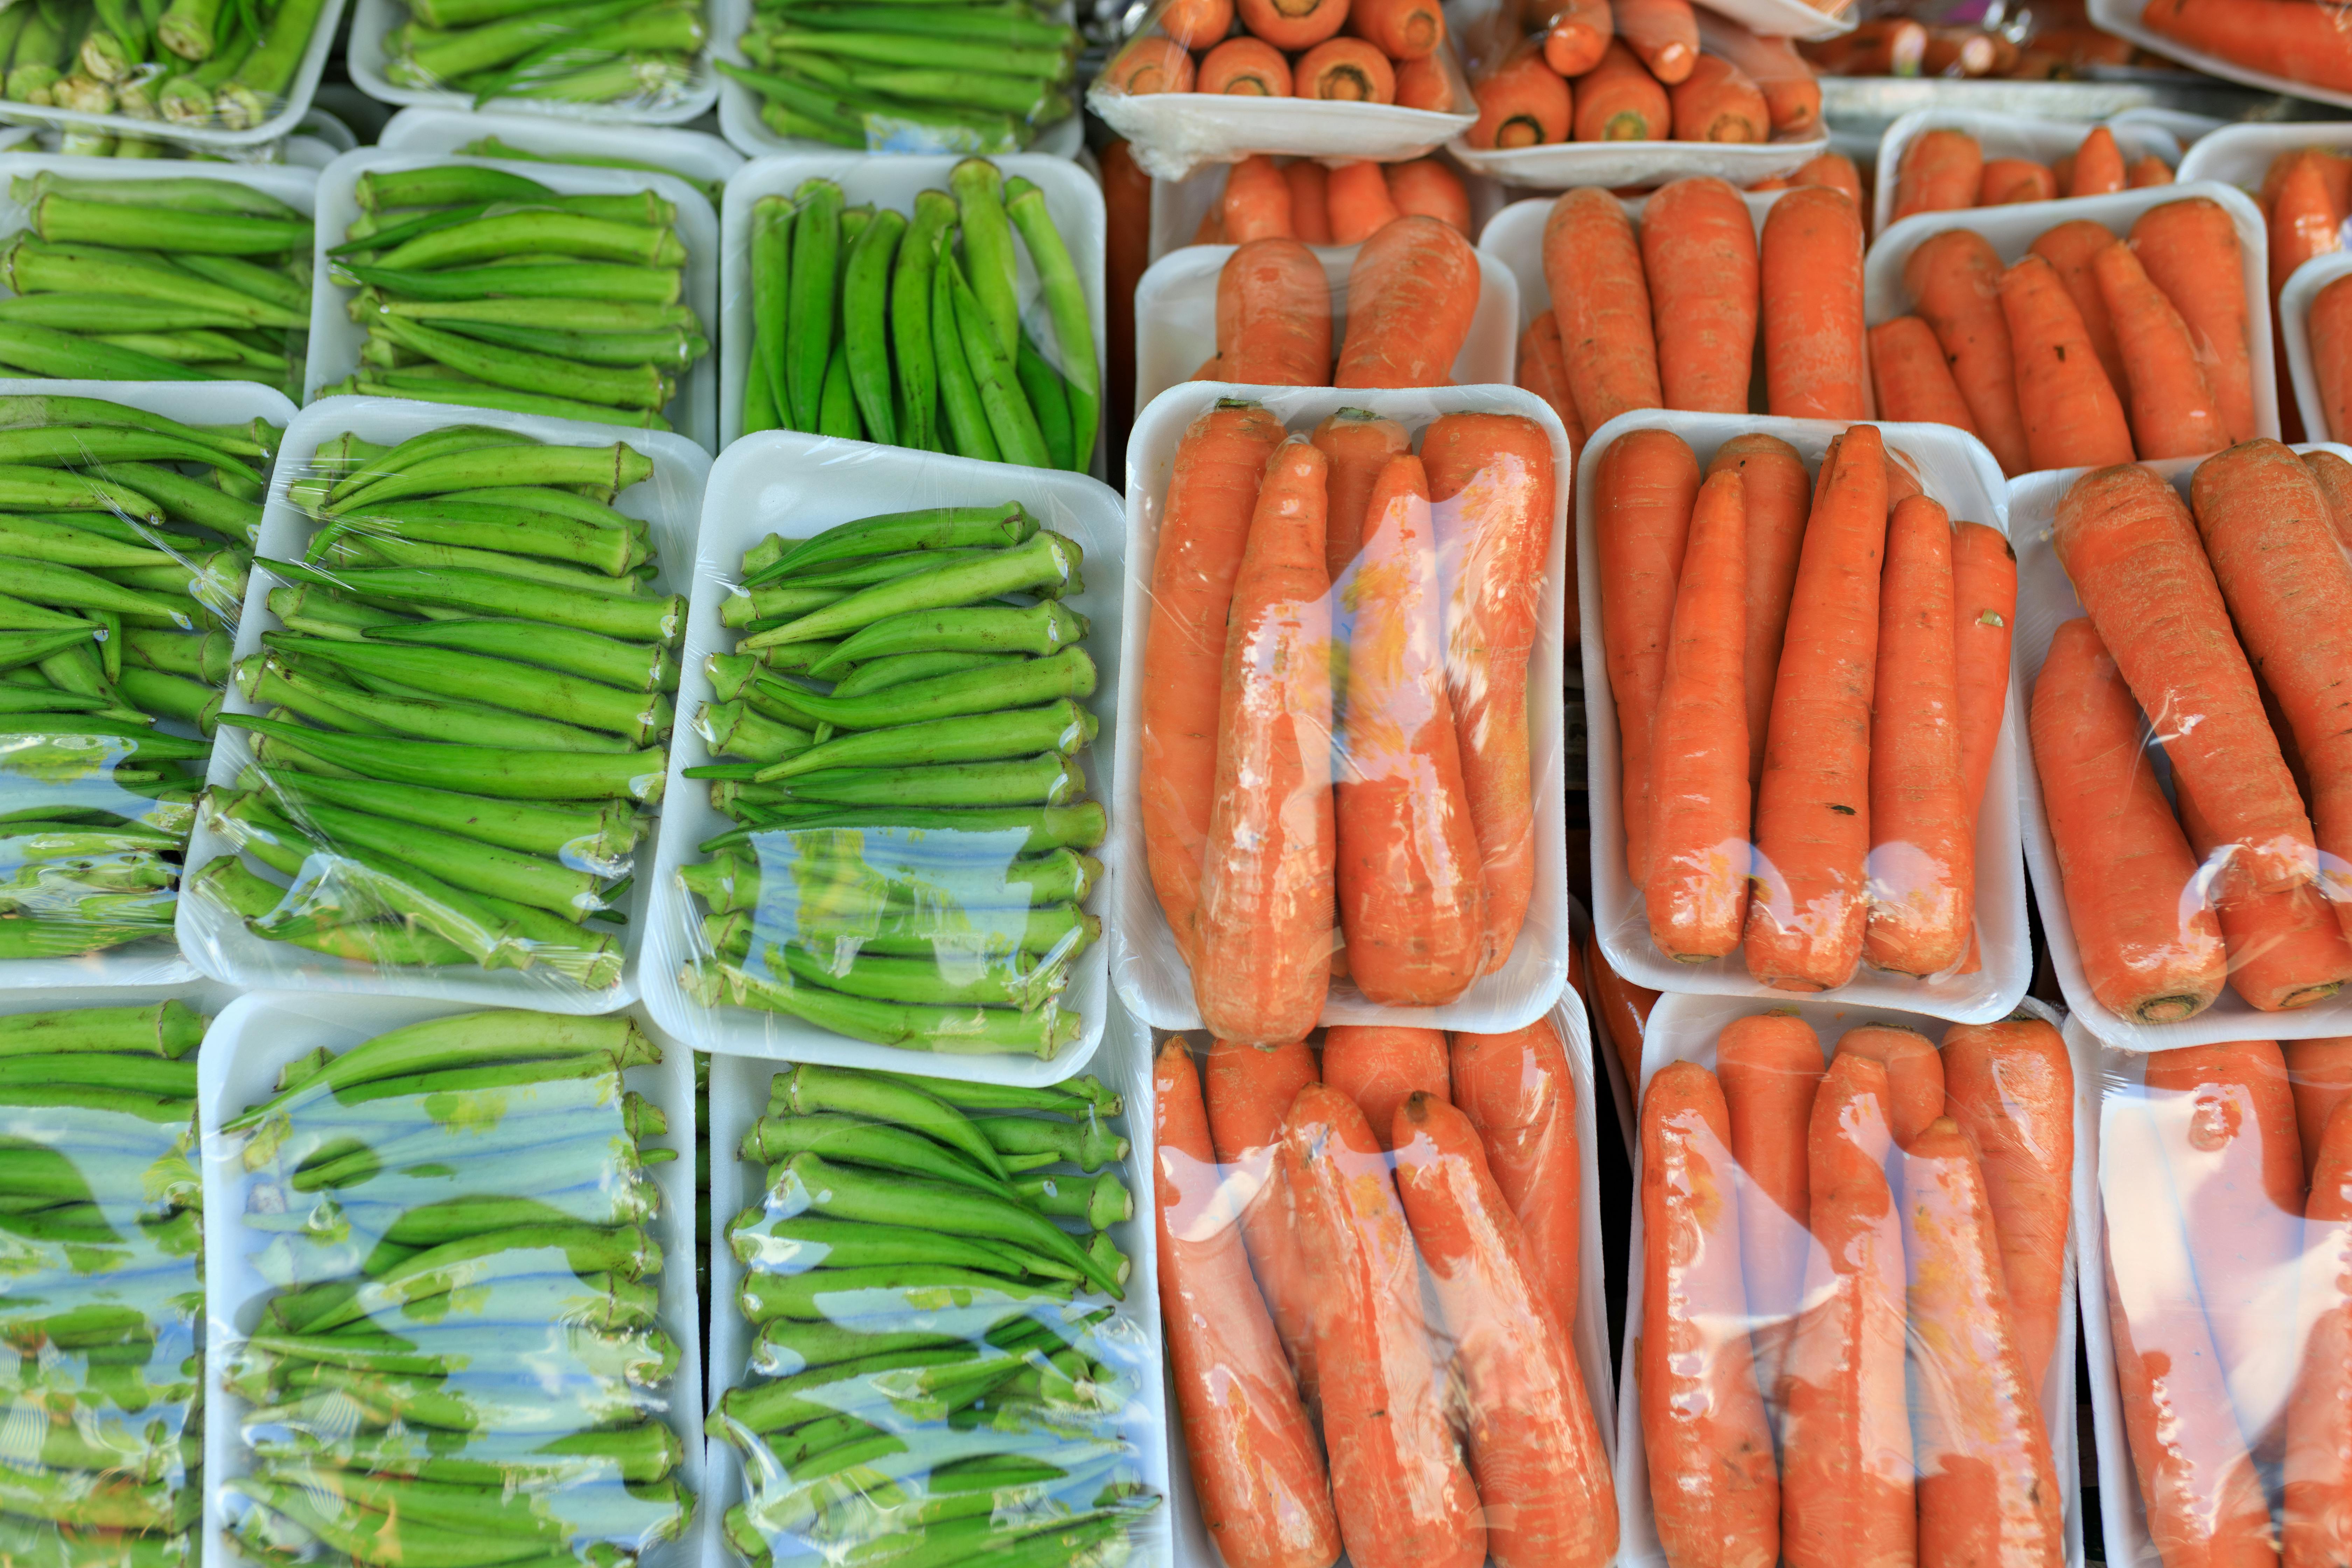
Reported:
(639, 718)
(992, 688)
(1085, 1142)
(1062, 726)
(992, 983)
(851, 1294)
(910, 317)
(775, 1139)
(1101, 1201)
(547, 279)
(772, 254)
(985, 829)
(969, 432)
(1048, 399)
(773, 1244)
(816, 253)
(627, 665)
(963, 1031)
(499, 771)
(488, 239)
(592, 838)
(848, 1193)
(1011, 421)
(1049, 928)
(1072, 1097)
(891, 533)
(1045, 561)
(864, 304)
(491, 593)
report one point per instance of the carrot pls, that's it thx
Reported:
(1543, 370)
(1835, 170)
(1792, 93)
(1814, 363)
(2149, 170)
(2335, 167)
(1941, 172)
(1274, 315)
(1344, 70)
(1360, 446)
(1777, 183)
(1663, 32)
(1623, 1010)
(1954, 277)
(1712, 1487)
(1411, 892)
(1696, 893)
(2190, 250)
(1959, 52)
(1698, 250)
(1402, 1496)
(2305, 218)
(2073, 416)
(1620, 100)
(1257, 200)
(1293, 25)
(1492, 485)
(1249, 1089)
(2062, 169)
(1127, 255)
(1381, 1067)
(1412, 292)
(1400, 30)
(2319, 1072)
(2004, 181)
(1311, 204)
(2329, 322)
(2071, 248)
(1424, 84)
(1984, 611)
(2319, 1412)
(1357, 197)
(1845, 1445)
(1517, 1092)
(1264, 919)
(1197, 24)
(1149, 63)
(1211, 230)
(1522, 102)
(2098, 166)
(2334, 476)
(1592, 265)
(1769, 1066)
(2173, 413)
(1778, 494)
(1987, 1484)
(1812, 826)
(1881, 47)
(1247, 66)
(1255, 1465)
(1915, 1075)
(1577, 36)
(1647, 483)
(1717, 101)
(1922, 828)
(1906, 365)
(2287, 949)
(1426, 186)
(2279, 38)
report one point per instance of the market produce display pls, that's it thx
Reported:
(913, 847)
(1299, 1204)
(1303, 200)
(1944, 170)
(463, 715)
(195, 63)
(877, 324)
(459, 1353)
(125, 540)
(2186, 603)
(637, 54)
(939, 1363)
(1336, 51)
(1412, 294)
(485, 288)
(103, 1317)
(1908, 1203)
(161, 280)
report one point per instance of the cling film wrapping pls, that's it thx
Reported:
(610, 60)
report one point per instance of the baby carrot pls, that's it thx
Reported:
(1380, 1068)
(1400, 30)
(1592, 265)
(2074, 418)
(1906, 364)
(1984, 610)
(1522, 102)
(1647, 483)
(1719, 102)
(2069, 248)
(2287, 949)
(1249, 1090)
(1426, 186)
(1310, 200)
(1698, 250)
(2190, 250)
(1293, 25)
(1954, 279)
(1663, 32)
(2008, 180)
(1620, 100)
(1778, 494)
(1273, 316)
(2319, 1524)
(1577, 36)
(2173, 413)
(1258, 201)
(1359, 203)
(1517, 1092)
(1770, 1066)
(1360, 446)
(1814, 363)
(1941, 172)
(1344, 70)
(2098, 166)
(1412, 290)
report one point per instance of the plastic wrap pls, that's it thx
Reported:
(451, 810)
(696, 156)
(665, 78)
(1384, 880)
(1895, 1370)
(2043, 142)
(941, 906)
(915, 1346)
(2266, 45)
(1468, 1162)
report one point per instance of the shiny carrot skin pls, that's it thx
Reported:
(1984, 614)
(2287, 949)
(1769, 1065)
(2319, 1514)
(2071, 248)
(1915, 1075)
(2190, 250)
(1778, 494)
(1273, 316)
(1412, 291)
(1648, 483)
(2074, 415)
(1360, 446)
(2174, 412)
(1517, 1090)
(2319, 1071)
(1249, 1089)
(1698, 252)
(1380, 1066)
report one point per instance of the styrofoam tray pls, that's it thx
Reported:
(1684, 1028)
(2240, 155)
(1515, 237)
(160, 962)
(1173, 133)
(696, 154)
(365, 59)
(1614, 164)
(1179, 205)
(1176, 317)
(1953, 467)
(2122, 18)
(239, 1066)
(2008, 136)
(2184, 126)
(2303, 286)
(670, 501)
(1786, 19)
(738, 1097)
(1152, 978)
(1073, 201)
(780, 481)
(336, 338)
(2044, 598)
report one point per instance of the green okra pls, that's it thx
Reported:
(446, 441)
(1061, 726)
(520, 370)
(202, 656)
(594, 837)
(979, 188)
(166, 1030)
(226, 881)
(759, 400)
(855, 1294)
(827, 868)
(191, 499)
(1048, 930)
(1101, 1201)
(468, 1040)
(1047, 561)
(775, 1139)
(924, 982)
(815, 256)
(64, 220)
(848, 1193)
(771, 255)
(638, 718)
(773, 1244)
(29, 266)
(898, 670)
(969, 432)
(556, 313)
(32, 487)
(1085, 1142)
(639, 207)
(78, 444)
(667, 348)
(841, 576)
(629, 667)
(963, 1030)
(985, 829)
(174, 697)
(910, 317)
(865, 305)
(930, 1381)
(491, 593)
(548, 279)
(540, 231)
(1071, 1097)
(31, 647)
(809, 1089)
(936, 528)
(442, 184)
(990, 689)
(1049, 399)
(837, 401)
(643, 1453)
(39, 410)
(268, 676)
(1011, 421)
(514, 531)
(271, 285)
(497, 772)
(463, 862)
(735, 729)
(772, 603)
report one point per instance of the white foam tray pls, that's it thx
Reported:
(336, 340)
(738, 1097)
(1151, 976)
(1684, 1028)
(2044, 598)
(1178, 206)
(2012, 136)
(1176, 317)
(1515, 237)
(365, 58)
(1173, 133)
(160, 962)
(780, 481)
(239, 1066)
(697, 154)
(1616, 164)
(1954, 468)
(1074, 202)
(2303, 286)
(2122, 18)
(218, 941)
(2239, 154)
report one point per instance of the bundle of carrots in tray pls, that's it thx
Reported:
(2306, 196)
(1412, 294)
(1641, 70)
(2286, 38)
(1300, 199)
(1864, 1268)
(2092, 348)
(1336, 749)
(1336, 51)
(2229, 620)
(1300, 1204)
(1809, 681)
(1944, 170)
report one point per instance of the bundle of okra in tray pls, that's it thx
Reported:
(124, 543)
(463, 711)
(637, 54)
(484, 287)
(904, 707)
(938, 1372)
(102, 1228)
(203, 63)
(458, 1354)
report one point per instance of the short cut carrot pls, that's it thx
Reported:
(1941, 171)
(1663, 34)
(2007, 181)
(1522, 102)
(1620, 100)
(1247, 66)
(2074, 417)
(1592, 265)
(1344, 70)
(2071, 248)
(1984, 616)
(1361, 206)
(1273, 316)
(1518, 1092)
(1770, 1066)
(1906, 364)
(2287, 949)
(1293, 25)
(1412, 292)
(1577, 36)
(1698, 251)
(1720, 102)
(1815, 365)
(1954, 279)
(1779, 493)
(2190, 250)
(1150, 64)
(1359, 445)
(1400, 30)
(1258, 201)
(2098, 166)
(2173, 410)
(1249, 1089)
(1426, 186)
(1379, 1067)
(1646, 485)
(1310, 201)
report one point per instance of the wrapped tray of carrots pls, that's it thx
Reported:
(2192, 887)
(1340, 203)
(2306, 193)
(1338, 788)
(1944, 160)
(1801, 731)
(1380, 1282)
(1850, 1337)
(2277, 44)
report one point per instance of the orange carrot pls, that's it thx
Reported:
(1623, 1009)
(2073, 416)
(1400, 30)
(1247, 66)
(2319, 1412)
(2071, 248)
(1543, 370)
(1647, 484)
(1955, 280)
(1357, 197)
(1426, 84)
(1264, 919)
(1210, 231)
(2306, 219)
(1697, 894)
(2287, 949)
(1984, 611)
(1915, 1075)
(1959, 52)
(1792, 94)
(1698, 249)
(1717, 101)
(1881, 47)
(1906, 364)
(1197, 24)
(1712, 1487)
(1344, 70)
(1534, 1445)
(2147, 171)
(2098, 166)
(2062, 169)
(1779, 493)
(1769, 1065)
(1412, 292)
(1846, 1468)
(1360, 446)
(1663, 32)
(1777, 183)
(2190, 250)
(2173, 413)
(2329, 322)
(1249, 1089)
(1380, 1068)
(1835, 170)
(1517, 1092)
(1592, 265)
(1577, 36)
(1310, 203)
(1620, 100)
(1149, 63)
(2334, 478)
(1258, 201)
(1941, 172)
(2008, 180)
(1426, 186)
(1815, 366)
(1522, 102)
(1274, 315)
(1293, 25)
(1255, 1465)
(2320, 1073)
